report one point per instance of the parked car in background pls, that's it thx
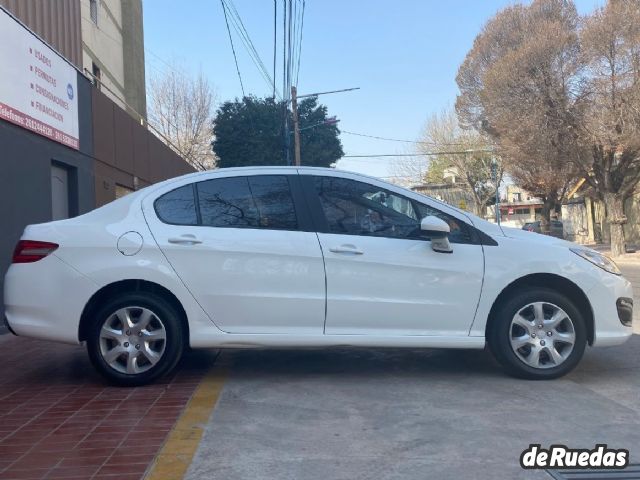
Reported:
(556, 228)
(306, 257)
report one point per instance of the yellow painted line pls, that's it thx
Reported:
(175, 457)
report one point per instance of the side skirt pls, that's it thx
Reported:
(228, 340)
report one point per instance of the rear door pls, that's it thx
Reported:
(243, 246)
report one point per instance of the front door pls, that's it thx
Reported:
(239, 245)
(383, 278)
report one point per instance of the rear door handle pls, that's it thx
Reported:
(352, 249)
(186, 239)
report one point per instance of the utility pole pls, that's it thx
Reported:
(296, 125)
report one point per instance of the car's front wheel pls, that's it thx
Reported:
(538, 334)
(135, 339)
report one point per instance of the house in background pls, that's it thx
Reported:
(517, 207)
(450, 193)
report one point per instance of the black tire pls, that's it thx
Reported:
(172, 347)
(500, 331)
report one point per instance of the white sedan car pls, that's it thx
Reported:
(306, 257)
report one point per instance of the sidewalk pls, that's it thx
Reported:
(60, 420)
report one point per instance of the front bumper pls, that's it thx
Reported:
(609, 328)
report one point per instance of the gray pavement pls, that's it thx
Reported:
(364, 413)
(404, 414)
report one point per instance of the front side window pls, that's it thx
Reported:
(262, 201)
(357, 208)
(459, 231)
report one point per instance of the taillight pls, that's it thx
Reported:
(28, 251)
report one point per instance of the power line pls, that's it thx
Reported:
(300, 42)
(397, 139)
(425, 154)
(237, 23)
(238, 26)
(294, 26)
(289, 50)
(284, 51)
(235, 58)
(251, 47)
(275, 43)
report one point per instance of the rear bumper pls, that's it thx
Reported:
(45, 299)
(609, 326)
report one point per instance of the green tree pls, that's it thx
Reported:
(320, 145)
(435, 171)
(249, 132)
(465, 151)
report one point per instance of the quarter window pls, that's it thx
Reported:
(177, 207)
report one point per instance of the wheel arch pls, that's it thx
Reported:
(127, 286)
(550, 281)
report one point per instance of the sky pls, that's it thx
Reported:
(403, 55)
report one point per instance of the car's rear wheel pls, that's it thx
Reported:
(135, 339)
(538, 334)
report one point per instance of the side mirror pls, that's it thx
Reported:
(438, 231)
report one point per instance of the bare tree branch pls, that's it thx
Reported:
(181, 109)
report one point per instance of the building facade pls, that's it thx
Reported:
(104, 39)
(113, 51)
(66, 147)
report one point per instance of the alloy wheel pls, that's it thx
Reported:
(542, 335)
(132, 340)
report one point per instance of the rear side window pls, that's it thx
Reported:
(227, 202)
(262, 201)
(177, 207)
(273, 201)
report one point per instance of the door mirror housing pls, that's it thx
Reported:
(438, 231)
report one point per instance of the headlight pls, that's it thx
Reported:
(597, 259)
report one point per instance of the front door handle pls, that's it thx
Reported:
(186, 239)
(348, 248)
